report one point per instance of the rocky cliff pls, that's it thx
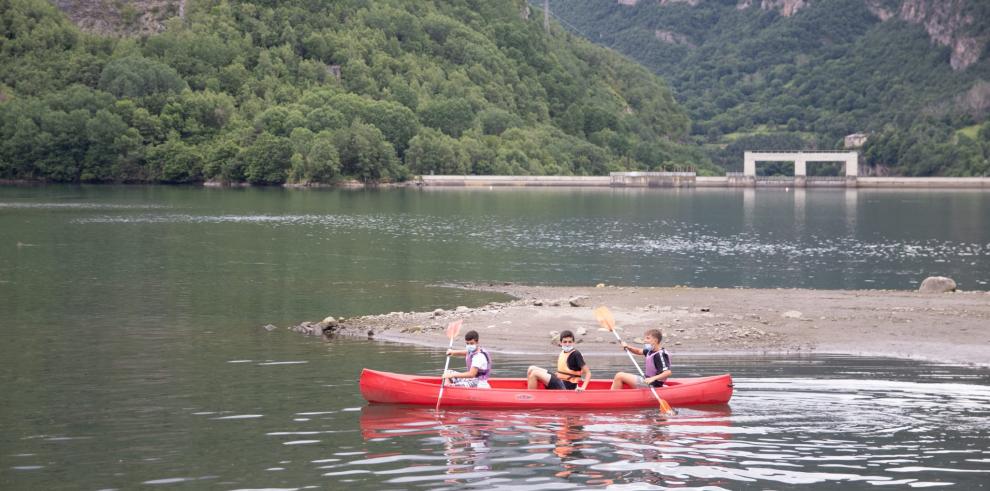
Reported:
(950, 23)
(121, 17)
(947, 22)
(786, 8)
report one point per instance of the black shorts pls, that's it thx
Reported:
(558, 384)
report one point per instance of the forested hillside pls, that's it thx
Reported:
(297, 91)
(912, 74)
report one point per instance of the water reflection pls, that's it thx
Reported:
(787, 431)
(480, 446)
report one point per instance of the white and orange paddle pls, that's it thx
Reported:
(452, 329)
(604, 317)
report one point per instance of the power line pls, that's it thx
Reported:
(547, 13)
(546, 16)
(568, 24)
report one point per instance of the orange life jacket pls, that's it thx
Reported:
(563, 372)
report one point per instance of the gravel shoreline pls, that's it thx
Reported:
(948, 327)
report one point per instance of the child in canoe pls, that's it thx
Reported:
(657, 363)
(479, 364)
(571, 369)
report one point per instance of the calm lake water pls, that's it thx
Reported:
(133, 354)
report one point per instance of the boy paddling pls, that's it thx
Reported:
(571, 369)
(657, 363)
(479, 364)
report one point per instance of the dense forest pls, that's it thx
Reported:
(753, 78)
(315, 92)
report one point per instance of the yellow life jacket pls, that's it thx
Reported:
(563, 372)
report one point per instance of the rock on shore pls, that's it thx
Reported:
(937, 284)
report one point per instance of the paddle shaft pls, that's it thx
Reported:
(446, 365)
(641, 374)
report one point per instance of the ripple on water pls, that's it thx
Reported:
(778, 432)
(242, 416)
(79, 206)
(644, 238)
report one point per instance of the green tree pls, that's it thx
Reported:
(451, 116)
(135, 76)
(395, 121)
(267, 160)
(221, 161)
(324, 118)
(175, 161)
(432, 152)
(365, 153)
(200, 114)
(321, 163)
(280, 120)
(108, 140)
(496, 121)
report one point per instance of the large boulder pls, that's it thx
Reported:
(937, 284)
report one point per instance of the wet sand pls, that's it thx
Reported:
(949, 327)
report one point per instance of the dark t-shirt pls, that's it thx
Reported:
(575, 361)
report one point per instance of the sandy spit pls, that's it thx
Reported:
(949, 327)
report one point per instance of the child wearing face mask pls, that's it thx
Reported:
(571, 369)
(479, 364)
(657, 363)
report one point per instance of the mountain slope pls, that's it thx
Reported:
(804, 73)
(269, 92)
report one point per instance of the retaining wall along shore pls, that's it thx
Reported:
(689, 179)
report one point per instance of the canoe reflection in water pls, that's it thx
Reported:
(481, 444)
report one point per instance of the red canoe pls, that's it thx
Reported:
(395, 388)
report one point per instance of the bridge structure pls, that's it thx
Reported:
(801, 160)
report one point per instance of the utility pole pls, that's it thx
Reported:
(546, 16)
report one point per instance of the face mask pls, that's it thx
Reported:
(567, 348)
(471, 347)
(647, 347)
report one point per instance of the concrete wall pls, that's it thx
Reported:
(653, 179)
(676, 179)
(719, 182)
(925, 182)
(831, 182)
(801, 159)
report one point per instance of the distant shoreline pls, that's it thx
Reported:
(629, 180)
(346, 184)
(948, 327)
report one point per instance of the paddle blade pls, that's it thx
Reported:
(604, 317)
(453, 328)
(665, 407)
